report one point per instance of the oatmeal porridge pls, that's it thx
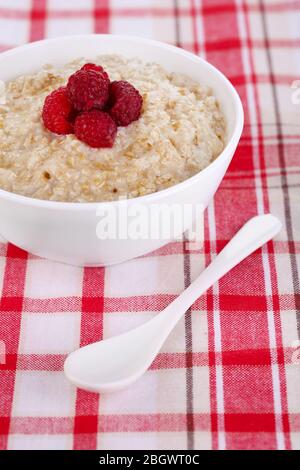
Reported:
(180, 131)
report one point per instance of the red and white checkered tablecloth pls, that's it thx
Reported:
(229, 375)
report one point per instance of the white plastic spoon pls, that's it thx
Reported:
(115, 363)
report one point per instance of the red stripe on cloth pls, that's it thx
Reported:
(194, 15)
(49, 362)
(4, 431)
(251, 186)
(235, 42)
(170, 422)
(249, 422)
(64, 304)
(271, 172)
(227, 223)
(87, 403)
(247, 357)
(239, 80)
(28, 425)
(211, 345)
(272, 139)
(278, 247)
(10, 361)
(9, 304)
(13, 288)
(222, 44)
(101, 15)
(57, 304)
(13, 14)
(160, 11)
(243, 303)
(139, 304)
(38, 17)
(211, 45)
(229, 7)
(275, 299)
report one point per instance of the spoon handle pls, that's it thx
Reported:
(250, 237)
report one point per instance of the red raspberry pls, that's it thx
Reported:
(96, 68)
(56, 112)
(126, 103)
(95, 128)
(90, 66)
(119, 87)
(88, 89)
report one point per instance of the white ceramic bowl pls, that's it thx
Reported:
(66, 232)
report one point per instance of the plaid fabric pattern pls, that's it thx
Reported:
(229, 376)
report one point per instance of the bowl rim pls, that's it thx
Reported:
(229, 147)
